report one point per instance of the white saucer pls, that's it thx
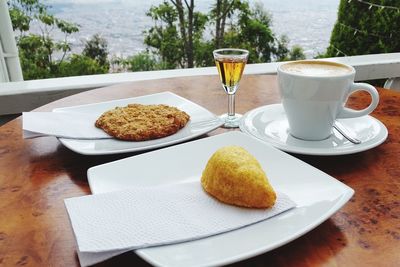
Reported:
(269, 124)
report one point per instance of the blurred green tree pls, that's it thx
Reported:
(41, 55)
(77, 65)
(365, 27)
(144, 61)
(97, 48)
(178, 34)
(296, 53)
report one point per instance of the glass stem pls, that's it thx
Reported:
(231, 105)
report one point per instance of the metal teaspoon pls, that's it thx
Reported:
(346, 132)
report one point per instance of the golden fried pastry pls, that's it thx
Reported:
(137, 122)
(234, 176)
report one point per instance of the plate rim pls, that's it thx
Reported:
(346, 193)
(378, 139)
(60, 109)
(66, 142)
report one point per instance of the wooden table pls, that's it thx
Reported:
(37, 175)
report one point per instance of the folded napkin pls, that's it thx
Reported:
(61, 124)
(108, 224)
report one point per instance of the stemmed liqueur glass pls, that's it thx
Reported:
(230, 64)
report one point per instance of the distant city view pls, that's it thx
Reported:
(307, 23)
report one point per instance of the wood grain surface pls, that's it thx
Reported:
(36, 175)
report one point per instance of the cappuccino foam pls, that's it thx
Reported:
(315, 68)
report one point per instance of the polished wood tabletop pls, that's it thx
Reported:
(36, 175)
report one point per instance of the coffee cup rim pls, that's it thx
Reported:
(353, 71)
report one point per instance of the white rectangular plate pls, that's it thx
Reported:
(316, 194)
(201, 122)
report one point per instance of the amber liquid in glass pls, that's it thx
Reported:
(230, 71)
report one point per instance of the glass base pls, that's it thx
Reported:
(231, 121)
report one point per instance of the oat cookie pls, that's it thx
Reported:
(137, 122)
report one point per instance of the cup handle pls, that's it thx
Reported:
(351, 113)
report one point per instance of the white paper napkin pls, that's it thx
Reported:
(61, 124)
(108, 224)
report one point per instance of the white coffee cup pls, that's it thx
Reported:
(314, 94)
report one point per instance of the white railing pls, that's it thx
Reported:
(10, 68)
(16, 97)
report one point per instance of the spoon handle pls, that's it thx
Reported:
(346, 132)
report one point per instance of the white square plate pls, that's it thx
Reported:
(201, 122)
(316, 194)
